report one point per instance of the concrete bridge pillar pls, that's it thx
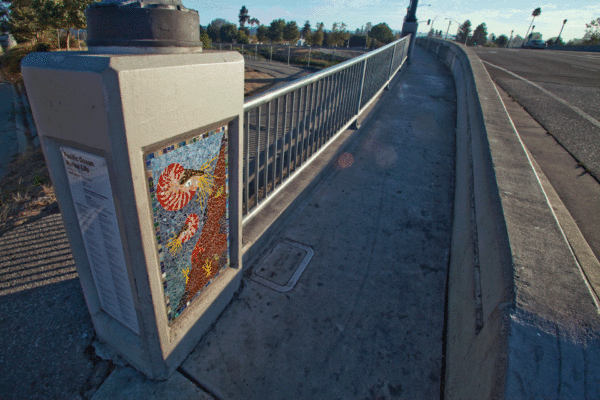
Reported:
(142, 140)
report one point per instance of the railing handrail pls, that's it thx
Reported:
(268, 95)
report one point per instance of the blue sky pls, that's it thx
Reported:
(500, 17)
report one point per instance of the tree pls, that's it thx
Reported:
(479, 35)
(535, 36)
(74, 15)
(242, 36)
(214, 29)
(463, 32)
(24, 20)
(534, 14)
(4, 15)
(205, 39)
(382, 33)
(517, 41)
(358, 40)
(262, 34)
(555, 41)
(243, 16)
(592, 33)
(306, 31)
(291, 32)
(501, 41)
(275, 32)
(338, 35)
(228, 32)
(317, 37)
(253, 21)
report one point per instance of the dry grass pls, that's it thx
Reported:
(251, 86)
(26, 192)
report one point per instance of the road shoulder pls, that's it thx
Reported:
(572, 192)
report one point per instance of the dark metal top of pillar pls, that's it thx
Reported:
(150, 24)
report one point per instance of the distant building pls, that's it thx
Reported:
(301, 42)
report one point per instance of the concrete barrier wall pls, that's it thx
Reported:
(521, 320)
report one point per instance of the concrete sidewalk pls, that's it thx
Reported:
(364, 320)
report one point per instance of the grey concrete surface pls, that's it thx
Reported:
(125, 383)
(529, 325)
(365, 319)
(45, 327)
(572, 77)
(577, 189)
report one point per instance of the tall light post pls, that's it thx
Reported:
(432, 21)
(561, 29)
(450, 22)
(410, 26)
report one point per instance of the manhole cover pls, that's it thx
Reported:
(282, 267)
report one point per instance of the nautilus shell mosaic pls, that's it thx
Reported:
(187, 183)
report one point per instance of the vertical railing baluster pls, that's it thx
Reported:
(335, 92)
(267, 147)
(275, 134)
(329, 104)
(311, 123)
(304, 131)
(297, 129)
(283, 134)
(346, 95)
(351, 93)
(340, 106)
(319, 115)
(291, 133)
(391, 66)
(361, 88)
(257, 160)
(247, 162)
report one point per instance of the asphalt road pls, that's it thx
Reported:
(560, 89)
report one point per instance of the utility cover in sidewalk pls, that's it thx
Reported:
(283, 266)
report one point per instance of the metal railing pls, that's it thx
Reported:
(284, 128)
(316, 56)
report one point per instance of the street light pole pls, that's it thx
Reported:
(449, 22)
(410, 26)
(561, 29)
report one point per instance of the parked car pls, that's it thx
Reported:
(535, 44)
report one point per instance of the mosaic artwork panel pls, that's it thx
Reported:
(188, 189)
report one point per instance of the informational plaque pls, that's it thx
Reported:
(92, 195)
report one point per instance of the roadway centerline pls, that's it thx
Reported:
(579, 111)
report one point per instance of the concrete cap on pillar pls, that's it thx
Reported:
(142, 26)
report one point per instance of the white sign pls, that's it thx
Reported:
(90, 188)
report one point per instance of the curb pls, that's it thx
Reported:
(522, 321)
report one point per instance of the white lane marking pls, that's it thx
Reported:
(587, 69)
(579, 111)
